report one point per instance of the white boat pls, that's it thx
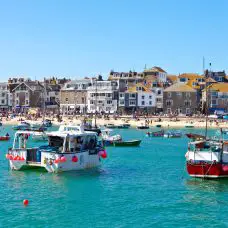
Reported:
(65, 151)
(108, 138)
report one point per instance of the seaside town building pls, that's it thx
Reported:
(179, 99)
(102, 97)
(73, 96)
(217, 97)
(4, 97)
(218, 76)
(28, 94)
(156, 72)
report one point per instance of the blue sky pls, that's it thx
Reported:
(87, 37)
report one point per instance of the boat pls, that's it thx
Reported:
(22, 126)
(195, 136)
(207, 159)
(108, 138)
(65, 151)
(143, 126)
(4, 138)
(123, 126)
(158, 125)
(189, 125)
(155, 134)
(173, 134)
(111, 126)
(130, 143)
(0, 124)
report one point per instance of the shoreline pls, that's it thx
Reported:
(165, 122)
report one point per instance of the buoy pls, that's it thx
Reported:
(103, 154)
(25, 202)
(63, 159)
(74, 159)
(7, 156)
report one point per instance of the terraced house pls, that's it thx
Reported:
(217, 97)
(179, 99)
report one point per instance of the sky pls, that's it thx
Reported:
(78, 38)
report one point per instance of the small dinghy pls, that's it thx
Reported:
(129, 143)
(123, 126)
(4, 138)
(111, 126)
(195, 136)
(155, 134)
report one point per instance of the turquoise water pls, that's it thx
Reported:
(136, 187)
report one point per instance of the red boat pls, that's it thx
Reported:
(207, 159)
(4, 138)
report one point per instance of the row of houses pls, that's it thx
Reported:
(150, 91)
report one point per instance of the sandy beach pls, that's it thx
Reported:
(165, 122)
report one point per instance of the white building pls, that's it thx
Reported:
(4, 97)
(158, 91)
(102, 97)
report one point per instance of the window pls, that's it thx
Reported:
(17, 95)
(159, 100)
(188, 94)
(169, 103)
(66, 99)
(26, 102)
(150, 102)
(143, 102)
(132, 95)
(91, 102)
(122, 102)
(100, 102)
(108, 95)
(17, 102)
(159, 93)
(150, 97)
(3, 101)
(109, 101)
(143, 97)
(121, 95)
(169, 110)
(83, 100)
(187, 103)
(132, 103)
(3, 94)
(187, 110)
(169, 95)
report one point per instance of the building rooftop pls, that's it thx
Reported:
(179, 87)
(220, 87)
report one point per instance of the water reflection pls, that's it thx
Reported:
(198, 184)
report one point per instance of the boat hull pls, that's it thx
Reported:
(207, 169)
(127, 143)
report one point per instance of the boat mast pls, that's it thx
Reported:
(206, 105)
(96, 103)
(44, 105)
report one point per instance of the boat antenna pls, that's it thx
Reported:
(45, 97)
(206, 105)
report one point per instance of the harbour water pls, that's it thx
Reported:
(145, 186)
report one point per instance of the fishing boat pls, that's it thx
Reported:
(155, 134)
(65, 151)
(173, 134)
(123, 126)
(108, 138)
(4, 138)
(130, 143)
(207, 159)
